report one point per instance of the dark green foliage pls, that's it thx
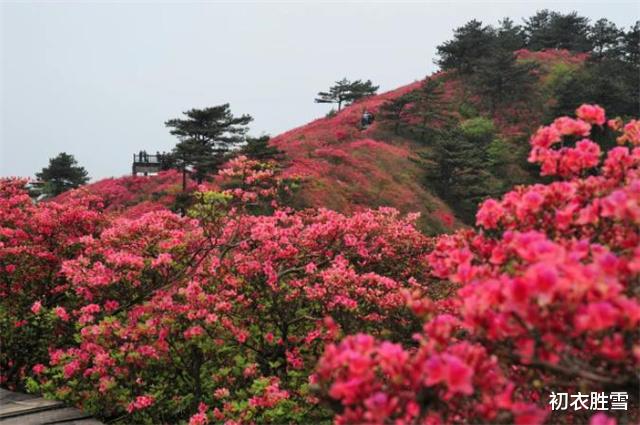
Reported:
(258, 148)
(509, 36)
(392, 112)
(594, 84)
(553, 30)
(62, 174)
(478, 130)
(168, 161)
(398, 113)
(606, 39)
(471, 161)
(457, 170)
(428, 105)
(332, 113)
(467, 110)
(206, 137)
(484, 56)
(469, 45)
(466, 164)
(360, 89)
(500, 79)
(630, 51)
(423, 112)
(345, 92)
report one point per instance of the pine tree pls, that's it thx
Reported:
(345, 92)
(392, 112)
(606, 39)
(537, 30)
(429, 108)
(499, 78)
(616, 53)
(469, 45)
(630, 50)
(258, 148)
(360, 89)
(553, 30)
(593, 84)
(510, 36)
(206, 137)
(456, 169)
(62, 174)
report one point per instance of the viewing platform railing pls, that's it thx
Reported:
(146, 164)
(143, 158)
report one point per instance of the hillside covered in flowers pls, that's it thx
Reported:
(347, 168)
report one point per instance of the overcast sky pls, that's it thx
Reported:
(98, 79)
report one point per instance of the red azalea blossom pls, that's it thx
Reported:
(36, 307)
(141, 402)
(592, 114)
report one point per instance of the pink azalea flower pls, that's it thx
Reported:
(36, 307)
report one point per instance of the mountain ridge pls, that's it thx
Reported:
(347, 168)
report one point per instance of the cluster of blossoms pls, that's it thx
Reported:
(133, 195)
(545, 296)
(254, 184)
(231, 306)
(445, 380)
(141, 402)
(244, 311)
(34, 242)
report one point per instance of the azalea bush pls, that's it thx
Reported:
(546, 299)
(254, 187)
(238, 315)
(34, 242)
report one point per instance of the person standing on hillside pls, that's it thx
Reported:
(367, 119)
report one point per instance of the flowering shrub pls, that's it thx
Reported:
(122, 195)
(546, 299)
(255, 187)
(34, 241)
(235, 320)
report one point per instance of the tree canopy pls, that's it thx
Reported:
(554, 30)
(486, 57)
(258, 148)
(469, 45)
(205, 138)
(62, 174)
(345, 92)
(474, 41)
